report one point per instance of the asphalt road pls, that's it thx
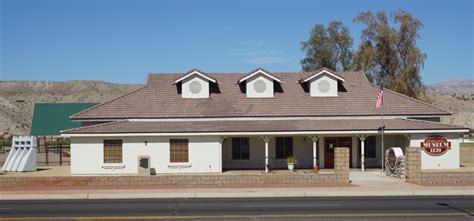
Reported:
(302, 208)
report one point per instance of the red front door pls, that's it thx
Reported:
(330, 143)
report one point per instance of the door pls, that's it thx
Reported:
(330, 143)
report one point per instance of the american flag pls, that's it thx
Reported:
(379, 101)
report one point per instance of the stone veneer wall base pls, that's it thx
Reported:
(339, 176)
(414, 173)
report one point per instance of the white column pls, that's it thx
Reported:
(362, 151)
(315, 139)
(266, 139)
(221, 140)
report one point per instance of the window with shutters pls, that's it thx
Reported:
(179, 150)
(112, 151)
(284, 147)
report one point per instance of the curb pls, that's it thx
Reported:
(206, 193)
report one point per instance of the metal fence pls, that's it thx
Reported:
(51, 150)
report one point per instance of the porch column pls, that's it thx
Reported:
(315, 139)
(362, 151)
(266, 139)
(221, 140)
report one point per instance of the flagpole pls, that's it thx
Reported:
(379, 104)
(383, 128)
(383, 152)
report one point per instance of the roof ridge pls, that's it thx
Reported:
(413, 99)
(92, 126)
(431, 122)
(109, 101)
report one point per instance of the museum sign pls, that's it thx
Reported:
(435, 145)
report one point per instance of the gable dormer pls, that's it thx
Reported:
(323, 83)
(259, 83)
(195, 84)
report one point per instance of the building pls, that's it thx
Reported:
(49, 119)
(198, 122)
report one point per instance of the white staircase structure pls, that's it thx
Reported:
(22, 156)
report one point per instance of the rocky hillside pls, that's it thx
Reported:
(17, 99)
(453, 87)
(455, 96)
(462, 110)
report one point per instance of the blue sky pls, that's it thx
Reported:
(121, 41)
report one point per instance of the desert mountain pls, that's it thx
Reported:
(17, 98)
(455, 87)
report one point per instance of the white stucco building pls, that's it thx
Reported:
(198, 122)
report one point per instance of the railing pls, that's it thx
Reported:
(51, 150)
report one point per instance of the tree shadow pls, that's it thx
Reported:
(455, 208)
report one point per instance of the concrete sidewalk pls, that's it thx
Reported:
(372, 190)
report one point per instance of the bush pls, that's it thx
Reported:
(291, 160)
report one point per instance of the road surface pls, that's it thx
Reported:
(301, 208)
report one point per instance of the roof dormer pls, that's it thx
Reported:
(259, 83)
(195, 84)
(323, 83)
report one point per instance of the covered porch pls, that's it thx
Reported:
(270, 152)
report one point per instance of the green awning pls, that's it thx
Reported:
(51, 118)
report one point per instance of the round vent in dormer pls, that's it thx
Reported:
(260, 86)
(323, 86)
(195, 87)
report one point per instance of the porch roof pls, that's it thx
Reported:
(247, 126)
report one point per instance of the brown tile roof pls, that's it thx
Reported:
(160, 99)
(258, 126)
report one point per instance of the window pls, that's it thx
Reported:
(195, 87)
(112, 151)
(284, 147)
(370, 146)
(240, 148)
(179, 152)
(259, 86)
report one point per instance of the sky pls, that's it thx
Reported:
(122, 41)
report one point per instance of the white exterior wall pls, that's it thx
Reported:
(449, 160)
(186, 92)
(87, 155)
(205, 154)
(268, 84)
(314, 87)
